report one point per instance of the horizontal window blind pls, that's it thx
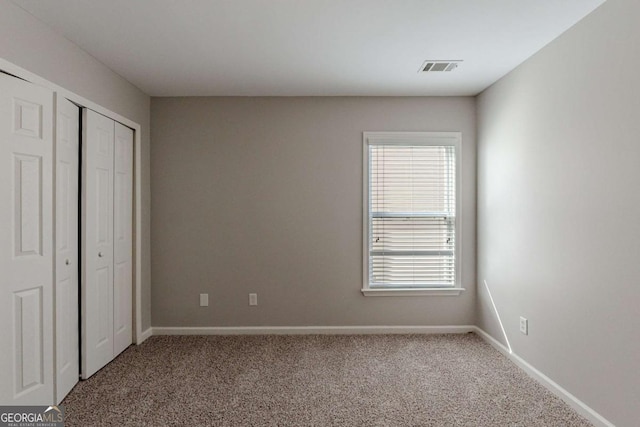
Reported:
(412, 215)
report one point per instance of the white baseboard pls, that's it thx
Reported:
(575, 403)
(311, 330)
(144, 335)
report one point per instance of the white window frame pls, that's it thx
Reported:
(411, 138)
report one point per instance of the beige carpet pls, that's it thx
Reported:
(383, 380)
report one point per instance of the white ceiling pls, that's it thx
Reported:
(309, 47)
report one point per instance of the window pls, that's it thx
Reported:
(411, 232)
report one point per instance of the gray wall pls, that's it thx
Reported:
(559, 209)
(30, 44)
(265, 195)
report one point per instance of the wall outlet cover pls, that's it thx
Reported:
(253, 299)
(524, 325)
(204, 300)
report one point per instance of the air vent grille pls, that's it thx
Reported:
(437, 66)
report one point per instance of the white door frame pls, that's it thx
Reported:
(20, 72)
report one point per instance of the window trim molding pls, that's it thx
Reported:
(403, 138)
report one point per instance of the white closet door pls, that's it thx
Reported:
(123, 244)
(26, 245)
(97, 242)
(66, 291)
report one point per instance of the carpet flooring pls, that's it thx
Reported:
(315, 380)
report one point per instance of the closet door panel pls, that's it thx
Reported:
(26, 243)
(123, 244)
(66, 272)
(97, 239)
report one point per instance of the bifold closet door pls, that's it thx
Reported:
(123, 239)
(26, 243)
(107, 250)
(97, 242)
(67, 154)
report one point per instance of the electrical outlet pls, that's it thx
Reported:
(204, 300)
(524, 325)
(253, 299)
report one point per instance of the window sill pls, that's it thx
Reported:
(412, 292)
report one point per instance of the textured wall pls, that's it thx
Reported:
(558, 209)
(30, 44)
(265, 195)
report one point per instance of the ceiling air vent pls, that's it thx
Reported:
(433, 66)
